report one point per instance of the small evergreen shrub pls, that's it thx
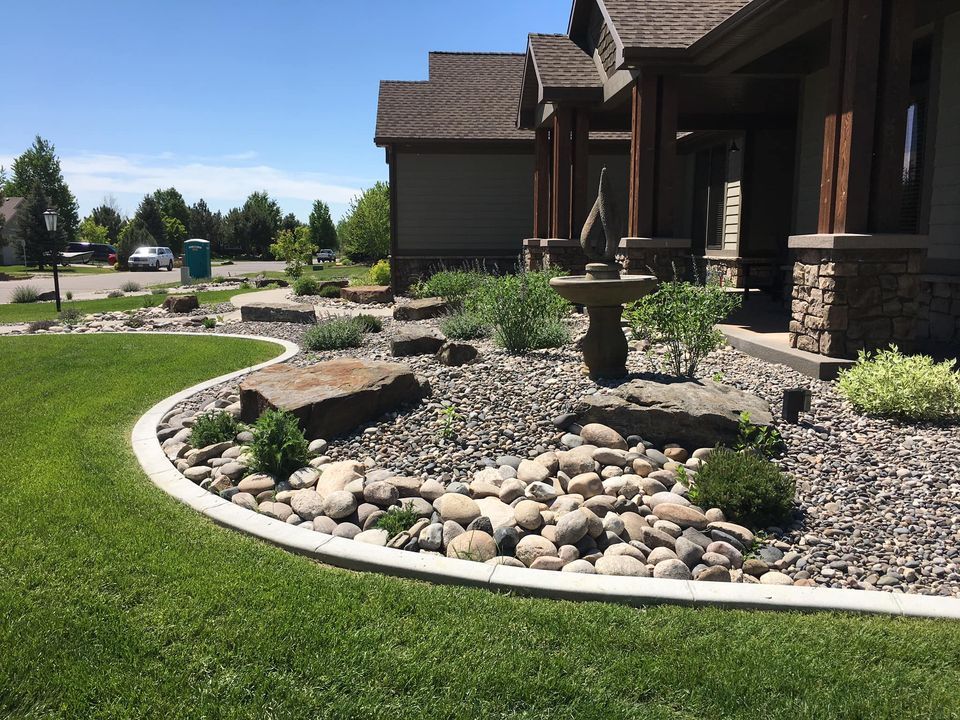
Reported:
(69, 295)
(397, 519)
(70, 316)
(209, 323)
(25, 294)
(115, 294)
(329, 291)
(130, 286)
(368, 323)
(306, 285)
(748, 488)
(40, 325)
(379, 273)
(523, 310)
(912, 387)
(464, 325)
(682, 316)
(213, 427)
(334, 333)
(278, 446)
(451, 285)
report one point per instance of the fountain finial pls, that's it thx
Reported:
(600, 240)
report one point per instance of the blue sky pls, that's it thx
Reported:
(223, 98)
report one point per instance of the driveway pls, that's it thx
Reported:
(105, 282)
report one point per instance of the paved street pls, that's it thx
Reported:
(83, 285)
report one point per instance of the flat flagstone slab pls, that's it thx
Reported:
(331, 398)
(278, 312)
(367, 294)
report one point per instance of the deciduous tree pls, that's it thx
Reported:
(91, 232)
(364, 232)
(39, 166)
(294, 248)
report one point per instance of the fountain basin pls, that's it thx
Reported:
(590, 292)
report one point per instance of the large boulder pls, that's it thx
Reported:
(181, 303)
(333, 397)
(278, 312)
(457, 353)
(415, 341)
(422, 309)
(367, 294)
(701, 413)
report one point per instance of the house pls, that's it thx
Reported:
(10, 252)
(808, 148)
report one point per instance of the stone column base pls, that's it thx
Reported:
(855, 292)
(665, 258)
(532, 254)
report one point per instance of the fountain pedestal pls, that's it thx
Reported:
(603, 292)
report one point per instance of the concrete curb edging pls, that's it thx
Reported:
(352, 555)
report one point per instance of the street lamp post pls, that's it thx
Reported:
(50, 217)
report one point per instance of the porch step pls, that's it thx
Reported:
(773, 348)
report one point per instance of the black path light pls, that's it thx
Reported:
(50, 217)
(795, 401)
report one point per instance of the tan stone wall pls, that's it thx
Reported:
(848, 300)
(939, 316)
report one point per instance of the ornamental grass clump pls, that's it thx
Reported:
(683, 316)
(462, 325)
(25, 294)
(130, 286)
(279, 446)
(397, 519)
(888, 383)
(336, 333)
(523, 310)
(748, 488)
(213, 427)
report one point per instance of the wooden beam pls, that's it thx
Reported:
(561, 187)
(643, 141)
(893, 98)
(581, 204)
(666, 172)
(933, 114)
(831, 121)
(394, 264)
(541, 183)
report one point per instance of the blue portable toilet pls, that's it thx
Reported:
(196, 258)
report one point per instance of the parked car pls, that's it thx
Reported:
(101, 251)
(151, 258)
(326, 255)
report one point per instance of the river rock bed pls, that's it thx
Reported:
(878, 501)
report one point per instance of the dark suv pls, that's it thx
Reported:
(101, 251)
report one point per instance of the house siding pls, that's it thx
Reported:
(945, 191)
(463, 204)
(813, 108)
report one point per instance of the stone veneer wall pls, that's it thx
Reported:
(939, 316)
(845, 300)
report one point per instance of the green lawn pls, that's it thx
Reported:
(26, 312)
(118, 602)
(65, 270)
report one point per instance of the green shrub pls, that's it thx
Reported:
(69, 295)
(334, 333)
(763, 440)
(682, 316)
(306, 285)
(70, 316)
(749, 489)
(523, 310)
(209, 323)
(397, 519)
(25, 294)
(130, 286)
(913, 387)
(368, 323)
(329, 291)
(464, 325)
(213, 427)
(451, 285)
(379, 273)
(278, 446)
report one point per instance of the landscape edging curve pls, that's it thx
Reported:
(353, 555)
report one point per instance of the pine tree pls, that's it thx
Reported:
(323, 233)
(39, 166)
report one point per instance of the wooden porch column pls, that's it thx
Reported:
(541, 183)
(643, 142)
(869, 70)
(581, 171)
(666, 171)
(562, 183)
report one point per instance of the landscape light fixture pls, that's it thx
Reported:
(50, 218)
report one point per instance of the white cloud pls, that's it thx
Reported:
(224, 182)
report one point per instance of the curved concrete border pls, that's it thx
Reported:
(570, 586)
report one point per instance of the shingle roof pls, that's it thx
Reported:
(668, 23)
(562, 63)
(9, 207)
(469, 96)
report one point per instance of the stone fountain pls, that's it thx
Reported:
(602, 291)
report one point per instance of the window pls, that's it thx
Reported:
(709, 202)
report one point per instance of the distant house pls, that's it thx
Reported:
(10, 252)
(809, 148)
